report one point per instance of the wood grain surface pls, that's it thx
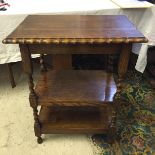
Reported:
(75, 29)
(75, 119)
(73, 87)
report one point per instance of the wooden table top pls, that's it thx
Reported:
(75, 29)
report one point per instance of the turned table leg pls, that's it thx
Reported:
(122, 69)
(28, 68)
(110, 59)
(112, 128)
(34, 105)
(42, 63)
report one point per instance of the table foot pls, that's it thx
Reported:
(39, 140)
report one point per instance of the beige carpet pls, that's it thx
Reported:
(16, 124)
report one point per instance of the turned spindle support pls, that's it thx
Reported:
(42, 63)
(110, 58)
(122, 69)
(28, 69)
(112, 127)
(34, 105)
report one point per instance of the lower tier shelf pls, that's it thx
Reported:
(55, 120)
(75, 87)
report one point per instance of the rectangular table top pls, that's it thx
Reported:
(75, 29)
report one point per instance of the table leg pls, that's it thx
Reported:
(111, 135)
(28, 68)
(109, 66)
(122, 68)
(42, 63)
(10, 73)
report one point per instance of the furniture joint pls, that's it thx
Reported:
(33, 100)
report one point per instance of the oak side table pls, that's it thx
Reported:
(74, 101)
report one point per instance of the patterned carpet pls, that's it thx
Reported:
(135, 123)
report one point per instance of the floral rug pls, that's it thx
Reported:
(135, 122)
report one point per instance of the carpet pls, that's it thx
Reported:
(135, 121)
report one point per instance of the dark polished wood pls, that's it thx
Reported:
(75, 119)
(65, 49)
(46, 29)
(42, 63)
(75, 91)
(72, 87)
(28, 68)
(122, 67)
(61, 61)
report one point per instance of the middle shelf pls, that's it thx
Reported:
(75, 87)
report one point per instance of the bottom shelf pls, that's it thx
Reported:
(75, 119)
